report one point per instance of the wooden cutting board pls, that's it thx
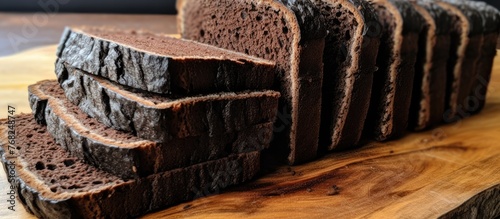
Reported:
(453, 169)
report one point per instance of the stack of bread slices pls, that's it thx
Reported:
(138, 121)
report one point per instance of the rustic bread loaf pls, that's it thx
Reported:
(163, 118)
(350, 56)
(466, 42)
(429, 88)
(125, 155)
(393, 82)
(162, 64)
(289, 32)
(53, 184)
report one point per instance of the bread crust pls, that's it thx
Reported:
(491, 29)
(463, 63)
(125, 155)
(118, 198)
(159, 118)
(427, 107)
(93, 51)
(393, 82)
(347, 85)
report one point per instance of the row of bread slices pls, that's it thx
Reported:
(137, 122)
(354, 70)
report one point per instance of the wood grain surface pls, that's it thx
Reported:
(451, 171)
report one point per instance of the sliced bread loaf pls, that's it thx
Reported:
(466, 41)
(161, 118)
(491, 29)
(393, 82)
(350, 56)
(162, 64)
(51, 183)
(125, 155)
(429, 88)
(289, 32)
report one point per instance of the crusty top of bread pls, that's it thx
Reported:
(162, 64)
(163, 45)
(163, 117)
(489, 14)
(158, 101)
(440, 17)
(473, 15)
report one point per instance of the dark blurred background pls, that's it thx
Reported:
(105, 6)
(90, 6)
(27, 24)
(495, 3)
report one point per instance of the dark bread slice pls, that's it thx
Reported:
(429, 88)
(51, 183)
(161, 118)
(162, 64)
(289, 32)
(466, 42)
(350, 56)
(125, 155)
(393, 82)
(491, 29)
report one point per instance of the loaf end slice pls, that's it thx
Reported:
(124, 154)
(51, 183)
(162, 64)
